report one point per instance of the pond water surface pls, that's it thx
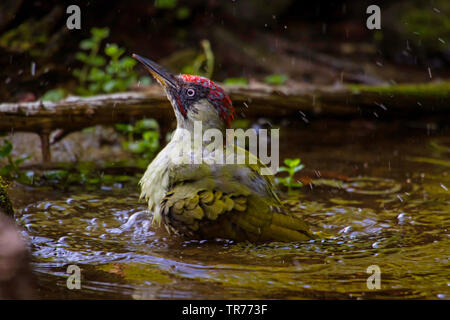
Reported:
(379, 196)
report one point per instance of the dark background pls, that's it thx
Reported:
(320, 42)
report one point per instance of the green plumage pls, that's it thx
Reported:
(227, 201)
(232, 201)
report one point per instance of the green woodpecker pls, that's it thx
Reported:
(207, 200)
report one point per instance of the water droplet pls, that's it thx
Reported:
(346, 229)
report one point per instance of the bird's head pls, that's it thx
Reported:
(193, 98)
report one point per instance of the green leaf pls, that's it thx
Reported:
(146, 124)
(87, 44)
(136, 147)
(56, 174)
(76, 73)
(21, 160)
(83, 91)
(95, 74)
(6, 149)
(82, 56)
(6, 170)
(54, 95)
(100, 33)
(109, 85)
(26, 178)
(120, 85)
(236, 81)
(276, 79)
(111, 69)
(127, 63)
(124, 127)
(292, 162)
(129, 82)
(183, 13)
(145, 81)
(93, 180)
(150, 135)
(94, 88)
(96, 61)
(112, 50)
(293, 166)
(283, 181)
(165, 4)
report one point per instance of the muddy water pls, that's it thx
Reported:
(380, 196)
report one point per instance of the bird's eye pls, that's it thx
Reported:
(190, 92)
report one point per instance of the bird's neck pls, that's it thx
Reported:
(200, 116)
(199, 128)
(197, 133)
(194, 145)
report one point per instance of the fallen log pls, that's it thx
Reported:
(252, 101)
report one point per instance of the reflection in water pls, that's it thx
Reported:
(391, 211)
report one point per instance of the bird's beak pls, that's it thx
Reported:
(164, 77)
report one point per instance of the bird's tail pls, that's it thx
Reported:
(287, 228)
(273, 226)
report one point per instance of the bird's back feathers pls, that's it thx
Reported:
(227, 201)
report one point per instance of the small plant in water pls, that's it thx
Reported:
(292, 166)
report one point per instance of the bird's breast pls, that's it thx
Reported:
(155, 182)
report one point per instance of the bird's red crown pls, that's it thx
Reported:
(216, 96)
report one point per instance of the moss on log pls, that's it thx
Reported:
(439, 90)
(5, 202)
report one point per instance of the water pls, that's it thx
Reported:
(380, 196)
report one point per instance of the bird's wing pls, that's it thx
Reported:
(227, 201)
